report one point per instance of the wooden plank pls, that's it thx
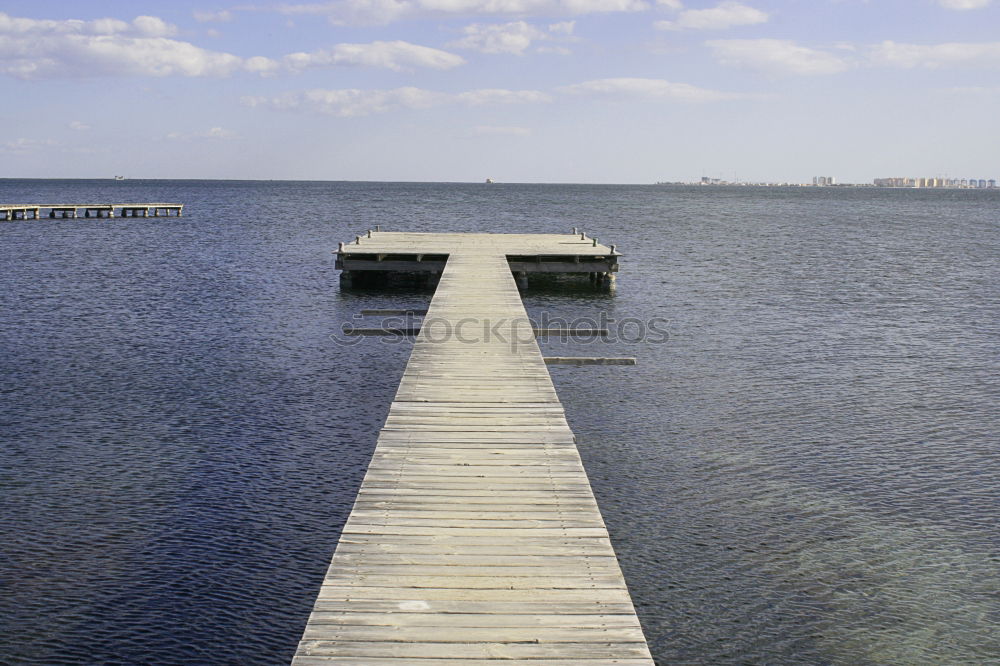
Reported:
(367, 557)
(525, 594)
(481, 620)
(479, 650)
(443, 609)
(404, 661)
(559, 570)
(453, 634)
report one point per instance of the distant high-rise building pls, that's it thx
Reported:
(965, 183)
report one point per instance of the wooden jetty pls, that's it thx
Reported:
(10, 212)
(475, 537)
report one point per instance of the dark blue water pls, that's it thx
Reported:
(806, 472)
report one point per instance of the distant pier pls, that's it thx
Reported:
(475, 537)
(10, 212)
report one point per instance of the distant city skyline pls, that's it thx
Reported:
(609, 91)
(933, 182)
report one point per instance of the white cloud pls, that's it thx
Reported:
(497, 96)
(21, 145)
(934, 56)
(648, 88)
(396, 56)
(385, 11)
(223, 16)
(261, 65)
(213, 133)
(964, 4)
(351, 12)
(512, 38)
(217, 133)
(145, 26)
(492, 130)
(150, 26)
(34, 49)
(352, 102)
(776, 55)
(574, 6)
(725, 15)
(971, 90)
(671, 4)
(783, 56)
(79, 126)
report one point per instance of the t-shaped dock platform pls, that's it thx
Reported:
(379, 252)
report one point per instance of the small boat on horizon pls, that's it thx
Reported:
(119, 177)
(490, 181)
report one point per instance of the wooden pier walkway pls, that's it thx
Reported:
(475, 537)
(10, 212)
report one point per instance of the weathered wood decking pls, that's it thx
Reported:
(475, 537)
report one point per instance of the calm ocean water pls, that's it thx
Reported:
(806, 472)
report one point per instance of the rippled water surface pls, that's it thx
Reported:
(806, 472)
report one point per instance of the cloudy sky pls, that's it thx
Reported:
(612, 91)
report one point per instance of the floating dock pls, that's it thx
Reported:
(379, 253)
(10, 212)
(475, 537)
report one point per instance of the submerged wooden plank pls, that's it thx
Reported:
(475, 537)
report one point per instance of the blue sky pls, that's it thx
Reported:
(598, 91)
